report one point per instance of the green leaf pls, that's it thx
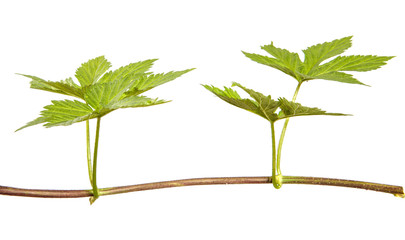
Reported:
(357, 63)
(97, 95)
(135, 101)
(290, 59)
(134, 69)
(34, 122)
(67, 87)
(266, 105)
(100, 95)
(292, 109)
(91, 71)
(64, 112)
(104, 96)
(271, 62)
(338, 77)
(147, 82)
(284, 60)
(332, 70)
(232, 97)
(316, 54)
(290, 63)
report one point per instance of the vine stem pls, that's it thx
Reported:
(96, 192)
(396, 190)
(89, 164)
(276, 177)
(283, 131)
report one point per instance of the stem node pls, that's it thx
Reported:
(277, 181)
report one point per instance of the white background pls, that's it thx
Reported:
(198, 135)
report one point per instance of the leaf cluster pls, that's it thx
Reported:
(264, 106)
(99, 92)
(315, 64)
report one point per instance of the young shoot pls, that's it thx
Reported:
(99, 93)
(312, 67)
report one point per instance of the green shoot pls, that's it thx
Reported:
(312, 67)
(99, 93)
(269, 109)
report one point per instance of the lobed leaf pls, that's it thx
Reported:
(332, 70)
(66, 112)
(63, 112)
(133, 69)
(66, 87)
(147, 82)
(266, 105)
(89, 72)
(357, 63)
(232, 97)
(289, 59)
(135, 101)
(318, 53)
(290, 63)
(34, 122)
(293, 109)
(338, 77)
(271, 62)
(100, 95)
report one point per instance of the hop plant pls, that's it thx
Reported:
(316, 65)
(99, 93)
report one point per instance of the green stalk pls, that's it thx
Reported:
(96, 192)
(283, 131)
(89, 165)
(276, 177)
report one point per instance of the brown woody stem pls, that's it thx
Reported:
(396, 190)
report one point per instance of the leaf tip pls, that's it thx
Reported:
(189, 70)
(235, 84)
(21, 74)
(205, 86)
(19, 129)
(363, 84)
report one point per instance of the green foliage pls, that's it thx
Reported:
(232, 97)
(293, 109)
(264, 106)
(147, 82)
(65, 112)
(92, 70)
(66, 87)
(274, 63)
(311, 68)
(138, 68)
(318, 53)
(99, 92)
